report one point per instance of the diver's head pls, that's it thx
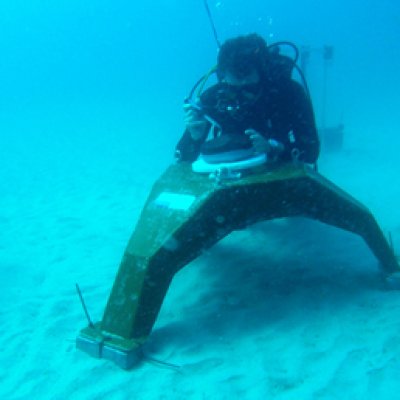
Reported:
(241, 67)
(243, 58)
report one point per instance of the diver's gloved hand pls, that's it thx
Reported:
(271, 147)
(195, 123)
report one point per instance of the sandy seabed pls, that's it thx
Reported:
(287, 309)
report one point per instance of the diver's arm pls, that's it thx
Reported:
(195, 122)
(187, 148)
(198, 126)
(303, 142)
(271, 147)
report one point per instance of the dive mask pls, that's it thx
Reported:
(235, 99)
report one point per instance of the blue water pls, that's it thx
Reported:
(91, 95)
(69, 57)
(77, 76)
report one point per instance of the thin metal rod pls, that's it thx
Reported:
(84, 305)
(212, 24)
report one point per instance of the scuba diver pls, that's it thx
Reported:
(255, 105)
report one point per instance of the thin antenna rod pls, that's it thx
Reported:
(212, 24)
(84, 306)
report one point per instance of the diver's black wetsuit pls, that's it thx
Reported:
(282, 112)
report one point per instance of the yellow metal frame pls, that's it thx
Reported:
(186, 213)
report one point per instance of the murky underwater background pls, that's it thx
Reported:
(90, 110)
